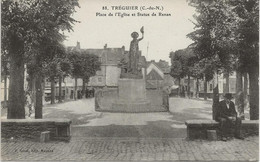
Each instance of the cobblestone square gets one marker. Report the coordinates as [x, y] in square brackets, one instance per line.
[133, 149]
[131, 137]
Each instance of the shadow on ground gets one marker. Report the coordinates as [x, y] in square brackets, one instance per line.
[88, 123]
[174, 127]
[77, 119]
[158, 129]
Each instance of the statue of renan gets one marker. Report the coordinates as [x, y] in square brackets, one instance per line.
[130, 65]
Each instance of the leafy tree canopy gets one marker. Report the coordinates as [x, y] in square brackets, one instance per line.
[215, 38]
[35, 24]
[84, 64]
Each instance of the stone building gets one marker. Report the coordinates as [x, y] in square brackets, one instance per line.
[158, 75]
[210, 86]
[221, 85]
[110, 72]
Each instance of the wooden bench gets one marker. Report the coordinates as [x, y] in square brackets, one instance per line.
[197, 129]
[31, 129]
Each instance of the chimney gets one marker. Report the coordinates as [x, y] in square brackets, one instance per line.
[105, 46]
[78, 45]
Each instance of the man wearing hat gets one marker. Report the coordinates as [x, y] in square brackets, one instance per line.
[228, 117]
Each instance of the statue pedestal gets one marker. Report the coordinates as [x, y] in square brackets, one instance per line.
[131, 96]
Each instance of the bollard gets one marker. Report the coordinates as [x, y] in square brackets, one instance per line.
[45, 136]
[212, 135]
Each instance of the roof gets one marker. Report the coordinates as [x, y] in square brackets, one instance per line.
[162, 65]
[107, 55]
[168, 80]
[150, 85]
[153, 75]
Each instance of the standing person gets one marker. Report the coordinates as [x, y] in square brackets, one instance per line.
[79, 94]
[166, 93]
[228, 118]
[29, 103]
[90, 92]
[87, 93]
[93, 92]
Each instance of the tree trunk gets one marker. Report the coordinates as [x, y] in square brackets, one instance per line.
[33, 89]
[215, 96]
[16, 99]
[43, 90]
[226, 88]
[76, 90]
[254, 93]
[5, 91]
[84, 88]
[38, 104]
[60, 89]
[179, 90]
[188, 86]
[239, 100]
[205, 88]
[52, 90]
[245, 89]
[197, 88]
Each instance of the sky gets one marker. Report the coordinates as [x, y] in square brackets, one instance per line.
[162, 34]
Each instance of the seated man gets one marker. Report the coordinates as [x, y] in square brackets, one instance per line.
[228, 117]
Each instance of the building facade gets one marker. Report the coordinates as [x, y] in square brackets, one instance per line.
[158, 75]
[110, 72]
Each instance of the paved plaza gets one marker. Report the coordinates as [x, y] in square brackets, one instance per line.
[121, 149]
[98, 136]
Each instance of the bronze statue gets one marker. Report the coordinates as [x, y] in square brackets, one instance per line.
[130, 65]
[133, 52]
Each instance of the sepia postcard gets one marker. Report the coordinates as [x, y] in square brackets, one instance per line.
[129, 80]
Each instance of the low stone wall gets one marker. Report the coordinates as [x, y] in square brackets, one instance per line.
[197, 129]
[250, 127]
[30, 129]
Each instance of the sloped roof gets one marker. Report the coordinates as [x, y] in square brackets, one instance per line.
[153, 75]
[97, 52]
[168, 80]
[108, 55]
[150, 85]
[162, 65]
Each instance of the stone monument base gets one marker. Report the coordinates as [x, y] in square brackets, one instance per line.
[107, 101]
[131, 96]
[139, 106]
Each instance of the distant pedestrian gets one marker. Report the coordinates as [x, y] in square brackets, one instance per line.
[79, 94]
[29, 103]
[87, 93]
[93, 92]
[166, 93]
